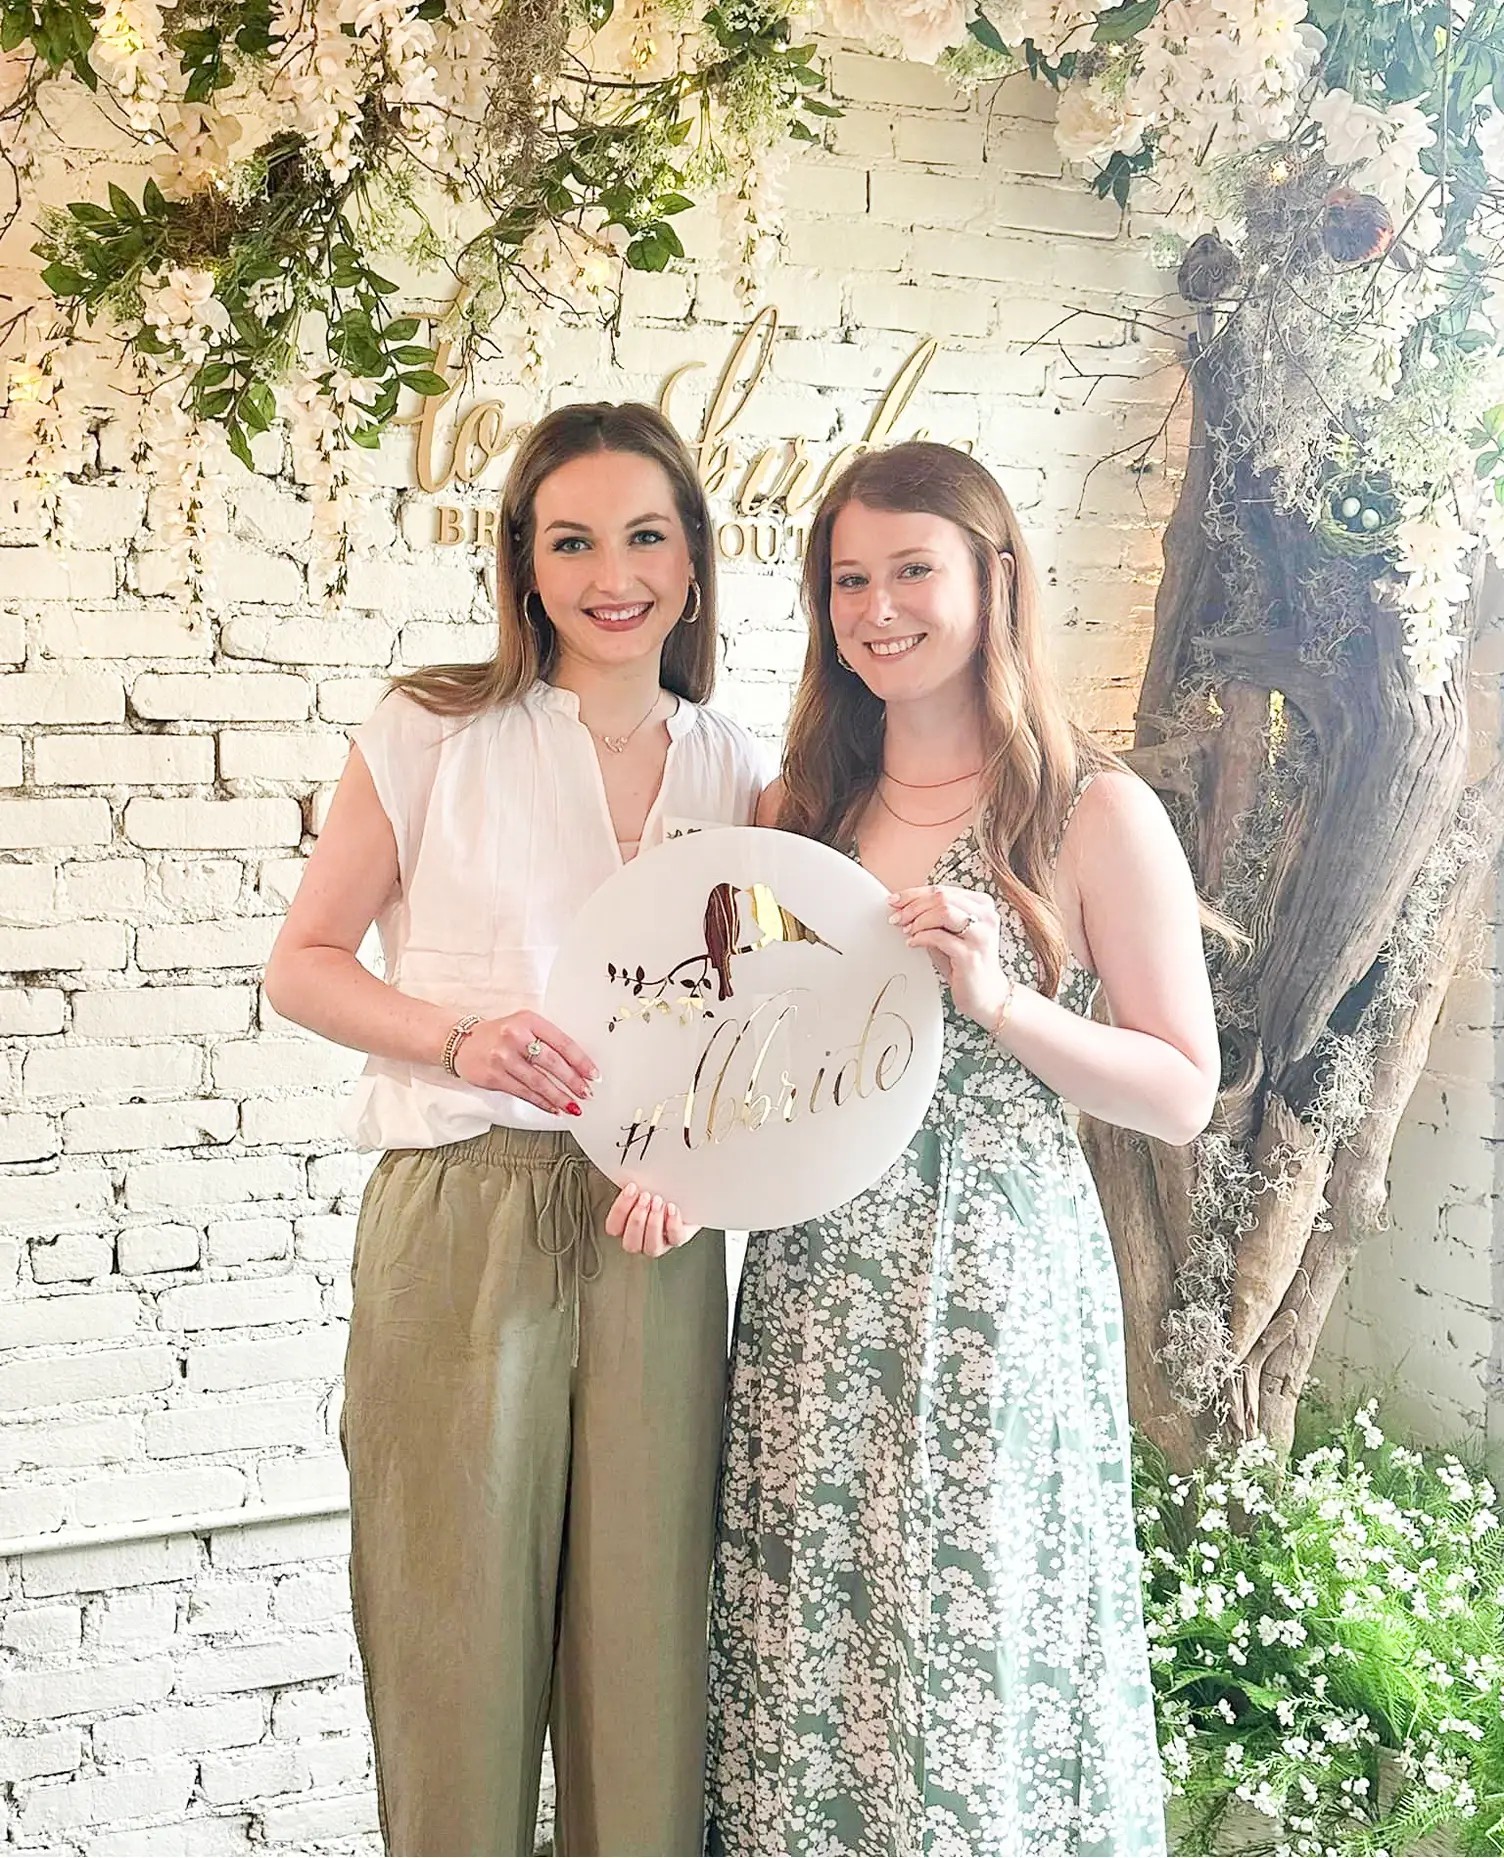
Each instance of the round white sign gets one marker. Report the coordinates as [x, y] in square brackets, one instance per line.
[767, 1041]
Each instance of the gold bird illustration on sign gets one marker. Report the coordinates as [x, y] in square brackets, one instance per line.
[770, 922]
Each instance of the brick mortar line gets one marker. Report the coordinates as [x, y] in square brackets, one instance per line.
[161, 1531]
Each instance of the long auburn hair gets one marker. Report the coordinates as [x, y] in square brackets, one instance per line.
[526, 643]
[1033, 754]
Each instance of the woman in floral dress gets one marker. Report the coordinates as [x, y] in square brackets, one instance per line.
[927, 1629]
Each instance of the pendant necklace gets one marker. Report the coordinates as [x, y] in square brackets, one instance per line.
[617, 743]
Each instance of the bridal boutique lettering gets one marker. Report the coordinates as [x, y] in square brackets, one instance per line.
[732, 1089]
[767, 490]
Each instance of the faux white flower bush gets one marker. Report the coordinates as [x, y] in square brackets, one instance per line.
[1327, 1644]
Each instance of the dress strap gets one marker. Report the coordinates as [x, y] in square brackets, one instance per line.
[1083, 782]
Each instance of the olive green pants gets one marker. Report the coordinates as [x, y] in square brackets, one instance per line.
[532, 1424]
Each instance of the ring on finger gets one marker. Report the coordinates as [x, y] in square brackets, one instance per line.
[533, 1050]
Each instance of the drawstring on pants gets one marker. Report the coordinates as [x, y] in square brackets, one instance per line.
[566, 1229]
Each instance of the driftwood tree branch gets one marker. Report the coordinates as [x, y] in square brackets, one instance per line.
[1238, 1245]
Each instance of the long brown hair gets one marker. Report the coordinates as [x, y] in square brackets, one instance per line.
[526, 642]
[1033, 755]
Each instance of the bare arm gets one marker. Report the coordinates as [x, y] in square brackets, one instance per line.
[769, 805]
[315, 978]
[1157, 1066]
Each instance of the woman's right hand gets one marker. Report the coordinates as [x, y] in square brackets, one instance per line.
[494, 1057]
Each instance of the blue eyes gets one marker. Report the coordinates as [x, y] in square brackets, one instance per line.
[574, 544]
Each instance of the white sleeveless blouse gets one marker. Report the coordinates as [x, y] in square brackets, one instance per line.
[502, 832]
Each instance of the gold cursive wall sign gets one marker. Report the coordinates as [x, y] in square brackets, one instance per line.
[731, 1089]
[767, 490]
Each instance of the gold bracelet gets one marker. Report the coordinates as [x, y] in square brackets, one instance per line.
[1000, 1017]
[458, 1033]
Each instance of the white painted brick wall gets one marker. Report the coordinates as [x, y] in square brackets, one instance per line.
[176, 1209]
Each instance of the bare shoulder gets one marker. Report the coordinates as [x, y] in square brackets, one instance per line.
[771, 803]
[1117, 815]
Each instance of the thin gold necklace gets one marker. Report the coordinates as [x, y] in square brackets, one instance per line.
[925, 825]
[617, 743]
[929, 786]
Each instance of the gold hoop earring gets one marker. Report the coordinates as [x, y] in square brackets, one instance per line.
[540, 618]
[688, 617]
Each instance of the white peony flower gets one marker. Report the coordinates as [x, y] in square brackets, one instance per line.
[922, 29]
[1094, 122]
[847, 19]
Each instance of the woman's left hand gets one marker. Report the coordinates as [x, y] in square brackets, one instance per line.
[960, 930]
[646, 1223]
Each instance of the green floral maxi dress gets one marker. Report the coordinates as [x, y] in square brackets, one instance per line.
[927, 1630]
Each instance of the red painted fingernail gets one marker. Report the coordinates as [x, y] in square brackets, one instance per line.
[573, 1109]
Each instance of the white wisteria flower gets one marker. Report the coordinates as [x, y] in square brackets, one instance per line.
[200, 138]
[1054, 26]
[319, 79]
[1432, 548]
[184, 311]
[186, 508]
[1216, 80]
[131, 55]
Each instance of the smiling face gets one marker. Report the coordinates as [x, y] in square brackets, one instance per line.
[611, 561]
[905, 605]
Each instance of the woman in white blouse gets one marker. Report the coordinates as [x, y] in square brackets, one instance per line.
[532, 1413]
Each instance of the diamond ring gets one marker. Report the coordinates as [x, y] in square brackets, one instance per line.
[532, 1050]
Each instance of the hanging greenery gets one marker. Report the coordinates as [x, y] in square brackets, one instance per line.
[1329, 175]
[303, 148]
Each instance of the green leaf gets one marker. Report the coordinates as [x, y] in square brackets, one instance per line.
[120, 200]
[368, 436]
[15, 30]
[817, 108]
[236, 440]
[410, 355]
[153, 200]
[424, 381]
[648, 252]
[87, 214]
[63, 281]
[674, 203]
[982, 29]
[260, 399]
[1121, 23]
[801, 132]
[402, 329]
